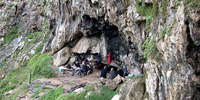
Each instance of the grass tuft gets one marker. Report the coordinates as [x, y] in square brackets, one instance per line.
[103, 94]
[13, 79]
[12, 34]
[41, 65]
[53, 94]
[165, 31]
[146, 10]
[150, 48]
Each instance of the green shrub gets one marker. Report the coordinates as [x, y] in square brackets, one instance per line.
[149, 11]
[145, 10]
[41, 65]
[12, 34]
[150, 48]
[31, 35]
[53, 94]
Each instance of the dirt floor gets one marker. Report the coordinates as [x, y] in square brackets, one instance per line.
[67, 81]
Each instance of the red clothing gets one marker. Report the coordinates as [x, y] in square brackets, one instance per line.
[109, 58]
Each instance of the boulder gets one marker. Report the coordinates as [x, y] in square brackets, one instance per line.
[62, 56]
[88, 94]
[133, 89]
[93, 1]
[79, 90]
[111, 84]
[85, 44]
[119, 79]
[116, 97]
[115, 83]
[148, 1]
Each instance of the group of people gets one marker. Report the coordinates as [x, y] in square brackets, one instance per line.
[84, 65]
[113, 72]
[82, 68]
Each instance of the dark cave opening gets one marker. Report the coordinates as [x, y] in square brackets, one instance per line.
[96, 27]
[193, 58]
[193, 53]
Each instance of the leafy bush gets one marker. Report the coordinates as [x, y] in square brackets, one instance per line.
[41, 65]
[53, 94]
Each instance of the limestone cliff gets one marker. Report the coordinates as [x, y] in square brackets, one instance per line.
[156, 38]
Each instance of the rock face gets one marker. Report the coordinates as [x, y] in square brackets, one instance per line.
[85, 44]
[24, 28]
[158, 38]
[164, 36]
[133, 90]
[62, 57]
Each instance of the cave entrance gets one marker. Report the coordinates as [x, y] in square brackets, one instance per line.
[98, 27]
[193, 58]
[100, 45]
[193, 52]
